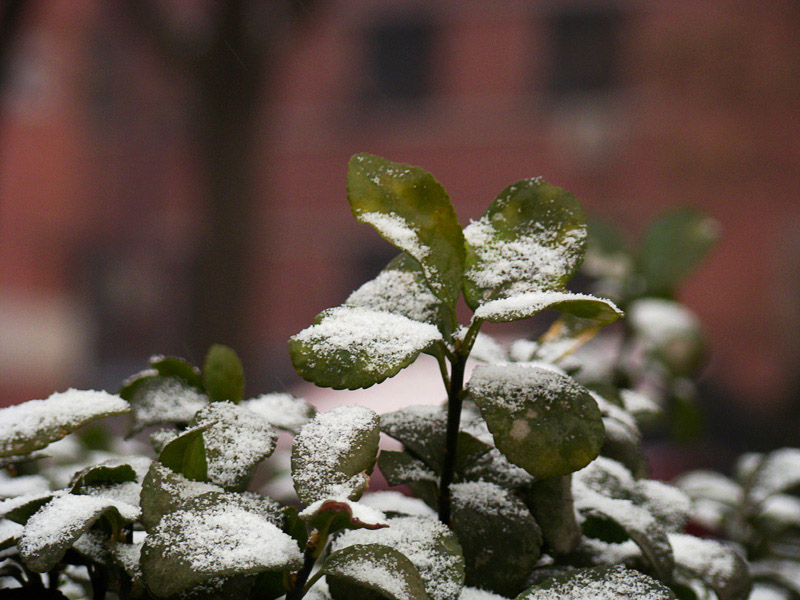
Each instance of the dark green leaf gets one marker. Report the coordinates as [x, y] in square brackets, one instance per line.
[400, 468]
[20, 508]
[334, 454]
[637, 523]
[551, 502]
[295, 526]
[431, 547]
[542, 420]
[214, 538]
[422, 430]
[163, 491]
[412, 211]
[527, 304]
[496, 468]
[531, 238]
[489, 522]
[223, 375]
[236, 440]
[54, 528]
[36, 424]
[672, 248]
[375, 567]
[172, 366]
[599, 582]
[351, 348]
[186, 454]
[103, 473]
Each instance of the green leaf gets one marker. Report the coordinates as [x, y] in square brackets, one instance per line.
[564, 336]
[21, 508]
[412, 211]
[375, 567]
[531, 238]
[494, 467]
[542, 420]
[334, 454]
[294, 525]
[102, 474]
[335, 515]
[528, 304]
[401, 289]
[157, 400]
[205, 540]
[163, 491]
[36, 424]
[673, 246]
[637, 523]
[223, 375]
[489, 521]
[352, 348]
[718, 565]
[55, 527]
[10, 533]
[601, 583]
[186, 454]
[422, 429]
[778, 472]
[400, 468]
[172, 366]
[236, 440]
[551, 502]
[431, 546]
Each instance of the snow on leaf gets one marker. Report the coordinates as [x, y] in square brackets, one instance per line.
[489, 520]
[469, 593]
[667, 503]
[401, 289]
[282, 410]
[164, 400]
[163, 491]
[37, 423]
[638, 524]
[718, 565]
[334, 453]
[194, 544]
[778, 472]
[357, 347]
[429, 545]
[528, 304]
[541, 420]
[11, 487]
[599, 583]
[376, 567]
[236, 441]
[53, 529]
[531, 238]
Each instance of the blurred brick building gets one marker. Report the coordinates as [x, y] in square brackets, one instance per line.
[634, 106]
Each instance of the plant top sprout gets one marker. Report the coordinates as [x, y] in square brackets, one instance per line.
[528, 483]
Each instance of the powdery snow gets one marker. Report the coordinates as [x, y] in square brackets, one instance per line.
[282, 410]
[535, 260]
[53, 418]
[397, 230]
[324, 444]
[223, 538]
[527, 304]
[396, 503]
[400, 292]
[618, 583]
[469, 593]
[416, 537]
[166, 400]
[659, 320]
[381, 339]
[10, 487]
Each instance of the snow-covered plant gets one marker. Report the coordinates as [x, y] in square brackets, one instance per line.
[661, 348]
[525, 484]
[759, 507]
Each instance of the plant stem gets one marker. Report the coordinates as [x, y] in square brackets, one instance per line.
[454, 401]
[314, 547]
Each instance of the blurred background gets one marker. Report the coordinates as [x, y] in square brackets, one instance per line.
[172, 172]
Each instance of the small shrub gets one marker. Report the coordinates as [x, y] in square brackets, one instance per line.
[528, 483]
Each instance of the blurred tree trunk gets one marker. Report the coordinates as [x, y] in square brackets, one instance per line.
[231, 69]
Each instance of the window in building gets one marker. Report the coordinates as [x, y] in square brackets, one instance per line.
[585, 51]
[400, 61]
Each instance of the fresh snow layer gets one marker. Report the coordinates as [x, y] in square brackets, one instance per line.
[61, 412]
[400, 292]
[527, 304]
[282, 410]
[395, 502]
